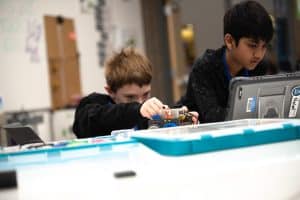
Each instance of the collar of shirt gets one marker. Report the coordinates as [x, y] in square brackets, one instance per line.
[244, 72]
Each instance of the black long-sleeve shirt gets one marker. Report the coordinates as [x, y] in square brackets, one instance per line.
[98, 115]
[207, 89]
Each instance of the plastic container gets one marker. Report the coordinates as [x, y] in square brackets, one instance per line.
[61, 151]
[187, 140]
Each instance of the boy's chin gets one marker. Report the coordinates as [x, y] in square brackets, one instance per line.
[251, 67]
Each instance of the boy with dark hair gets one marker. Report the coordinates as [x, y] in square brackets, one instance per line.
[128, 104]
[248, 29]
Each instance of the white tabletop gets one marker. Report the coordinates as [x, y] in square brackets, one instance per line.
[261, 172]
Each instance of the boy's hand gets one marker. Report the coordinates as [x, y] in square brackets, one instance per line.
[194, 114]
[151, 107]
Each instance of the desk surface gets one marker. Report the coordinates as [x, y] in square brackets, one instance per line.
[260, 172]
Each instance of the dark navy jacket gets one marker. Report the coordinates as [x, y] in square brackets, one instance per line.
[207, 90]
[98, 115]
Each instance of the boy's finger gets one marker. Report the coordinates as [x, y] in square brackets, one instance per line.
[156, 106]
[185, 108]
[194, 113]
[158, 103]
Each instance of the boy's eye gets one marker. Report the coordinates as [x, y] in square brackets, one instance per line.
[146, 95]
[252, 45]
[130, 98]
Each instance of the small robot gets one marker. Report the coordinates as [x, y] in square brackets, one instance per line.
[170, 118]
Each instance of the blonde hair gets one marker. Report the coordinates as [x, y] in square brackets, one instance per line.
[127, 67]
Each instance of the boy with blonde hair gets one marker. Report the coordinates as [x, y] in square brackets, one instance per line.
[127, 105]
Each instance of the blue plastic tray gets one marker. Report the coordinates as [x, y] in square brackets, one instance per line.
[203, 138]
[62, 151]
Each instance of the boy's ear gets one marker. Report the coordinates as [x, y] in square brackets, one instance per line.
[108, 90]
[111, 93]
[229, 41]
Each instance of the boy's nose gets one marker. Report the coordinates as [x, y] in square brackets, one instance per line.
[140, 100]
[259, 53]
